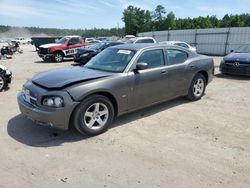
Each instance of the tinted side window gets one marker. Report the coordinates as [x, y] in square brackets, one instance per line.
[74, 41]
[176, 56]
[113, 44]
[154, 58]
[145, 41]
[182, 45]
[139, 41]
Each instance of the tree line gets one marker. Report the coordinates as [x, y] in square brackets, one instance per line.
[10, 31]
[139, 20]
[136, 20]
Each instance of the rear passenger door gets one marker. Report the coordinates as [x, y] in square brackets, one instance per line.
[177, 71]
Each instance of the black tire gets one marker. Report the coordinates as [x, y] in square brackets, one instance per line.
[193, 94]
[46, 59]
[58, 57]
[79, 116]
[3, 83]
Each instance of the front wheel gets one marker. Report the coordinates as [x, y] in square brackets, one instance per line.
[58, 57]
[3, 83]
[94, 115]
[46, 59]
[197, 87]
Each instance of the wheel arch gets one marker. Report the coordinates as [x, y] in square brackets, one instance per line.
[110, 96]
[59, 51]
[205, 74]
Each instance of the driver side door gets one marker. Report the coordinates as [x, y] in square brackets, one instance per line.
[148, 86]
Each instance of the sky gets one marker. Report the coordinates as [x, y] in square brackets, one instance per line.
[78, 14]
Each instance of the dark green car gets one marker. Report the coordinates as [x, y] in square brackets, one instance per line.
[119, 80]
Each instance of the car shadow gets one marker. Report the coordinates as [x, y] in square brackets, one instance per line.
[76, 64]
[27, 132]
[6, 89]
[232, 77]
[149, 111]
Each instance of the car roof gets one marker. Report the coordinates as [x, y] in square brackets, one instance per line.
[144, 37]
[137, 38]
[114, 42]
[141, 46]
[173, 41]
[136, 47]
[71, 36]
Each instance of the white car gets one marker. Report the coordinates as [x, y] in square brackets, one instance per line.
[141, 40]
[5, 77]
[180, 43]
[21, 40]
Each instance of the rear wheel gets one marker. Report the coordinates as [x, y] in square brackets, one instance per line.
[58, 57]
[94, 115]
[197, 87]
[3, 83]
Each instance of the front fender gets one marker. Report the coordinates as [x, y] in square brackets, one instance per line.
[116, 87]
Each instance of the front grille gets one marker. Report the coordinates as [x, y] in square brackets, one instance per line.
[237, 63]
[43, 51]
[29, 97]
[237, 70]
[236, 67]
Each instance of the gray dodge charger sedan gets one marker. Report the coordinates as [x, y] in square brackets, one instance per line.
[119, 80]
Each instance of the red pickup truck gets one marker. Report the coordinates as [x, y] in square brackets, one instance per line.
[66, 47]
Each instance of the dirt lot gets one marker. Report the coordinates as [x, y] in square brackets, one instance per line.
[175, 144]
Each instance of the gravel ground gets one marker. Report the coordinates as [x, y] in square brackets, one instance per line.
[174, 144]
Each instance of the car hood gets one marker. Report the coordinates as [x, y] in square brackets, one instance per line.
[242, 57]
[61, 78]
[49, 45]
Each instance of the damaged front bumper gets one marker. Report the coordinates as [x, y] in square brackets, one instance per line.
[46, 57]
[31, 106]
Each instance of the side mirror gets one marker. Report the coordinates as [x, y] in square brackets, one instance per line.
[231, 51]
[141, 66]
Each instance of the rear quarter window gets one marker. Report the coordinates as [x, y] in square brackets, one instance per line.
[145, 41]
[182, 45]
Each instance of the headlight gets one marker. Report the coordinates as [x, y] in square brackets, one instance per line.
[84, 55]
[53, 101]
[8, 72]
[222, 61]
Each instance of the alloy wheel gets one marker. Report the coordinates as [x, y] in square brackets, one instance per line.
[198, 88]
[58, 57]
[96, 116]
